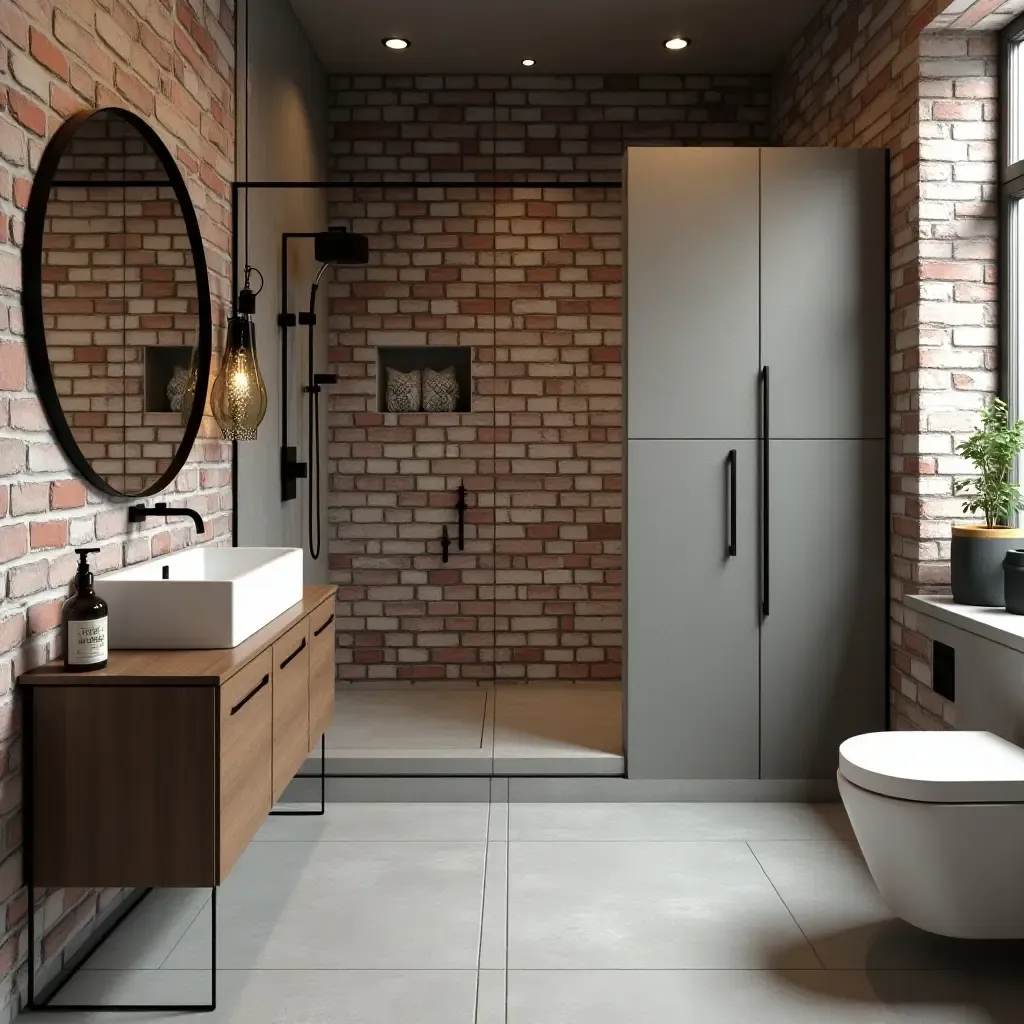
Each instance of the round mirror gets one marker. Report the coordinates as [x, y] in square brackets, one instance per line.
[117, 302]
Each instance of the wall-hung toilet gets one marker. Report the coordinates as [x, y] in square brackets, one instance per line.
[939, 817]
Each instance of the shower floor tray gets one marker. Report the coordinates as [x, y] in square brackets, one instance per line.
[505, 730]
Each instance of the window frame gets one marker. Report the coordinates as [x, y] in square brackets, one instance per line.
[1011, 215]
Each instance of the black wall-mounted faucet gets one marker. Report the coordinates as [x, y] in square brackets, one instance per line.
[139, 514]
[461, 506]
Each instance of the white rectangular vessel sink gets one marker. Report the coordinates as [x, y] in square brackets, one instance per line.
[211, 598]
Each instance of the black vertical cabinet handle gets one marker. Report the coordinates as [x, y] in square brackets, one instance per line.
[766, 533]
[733, 542]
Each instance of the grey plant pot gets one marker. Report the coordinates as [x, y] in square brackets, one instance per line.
[976, 563]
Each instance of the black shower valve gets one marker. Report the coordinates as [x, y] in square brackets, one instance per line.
[291, 471]
[319, 379]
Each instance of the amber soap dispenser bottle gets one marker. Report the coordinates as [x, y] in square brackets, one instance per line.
[84, 621]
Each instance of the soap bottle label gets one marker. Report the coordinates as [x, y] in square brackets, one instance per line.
[87, 642]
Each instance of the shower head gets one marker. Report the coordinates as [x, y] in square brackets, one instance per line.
[339, 246]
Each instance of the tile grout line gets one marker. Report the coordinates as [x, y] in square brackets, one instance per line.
[483, 905]
[185, 932]
[508, 893]
[810, 945]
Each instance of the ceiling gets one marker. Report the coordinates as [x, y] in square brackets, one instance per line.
[493, 36]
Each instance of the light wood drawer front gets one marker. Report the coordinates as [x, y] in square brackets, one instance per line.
[321, 671]
[246, 723]
[291, 704]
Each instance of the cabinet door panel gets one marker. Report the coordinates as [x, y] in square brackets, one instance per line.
[246, 731]
[823, 656]
[321, 671]
[291, 705]
[691, 289]
[824, 291]
[692, 612]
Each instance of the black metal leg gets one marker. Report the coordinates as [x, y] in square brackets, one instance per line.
[45, 1001]
[323, 787]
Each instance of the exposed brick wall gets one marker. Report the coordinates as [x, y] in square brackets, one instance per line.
[879, 74]
[555, 125]
[173, 64]
[531, 278]
[978, 15]
[949, 369]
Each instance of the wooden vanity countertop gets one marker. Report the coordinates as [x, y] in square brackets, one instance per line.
[176, 668]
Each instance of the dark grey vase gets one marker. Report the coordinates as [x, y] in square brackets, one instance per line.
[976, 563]
[1013, 578]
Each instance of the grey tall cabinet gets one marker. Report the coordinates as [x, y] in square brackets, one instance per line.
[755, 291]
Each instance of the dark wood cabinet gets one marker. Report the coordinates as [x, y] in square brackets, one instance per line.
[158, 770]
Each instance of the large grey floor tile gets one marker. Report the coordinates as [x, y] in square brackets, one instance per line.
[827, 887]
[677, 822]
[379, 822]
[646, 905]
[146, 937]
[346, 906]
[284, 997]
[493, 935]
[754, 997]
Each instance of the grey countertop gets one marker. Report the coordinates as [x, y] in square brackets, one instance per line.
[995, 624]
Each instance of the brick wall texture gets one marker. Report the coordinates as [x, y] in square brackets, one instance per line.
[170, 61]
[531, 279]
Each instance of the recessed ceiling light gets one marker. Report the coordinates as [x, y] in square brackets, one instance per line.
[676, 43]
[395, 43]
[529, 62]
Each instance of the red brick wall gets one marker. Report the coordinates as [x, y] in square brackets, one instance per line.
[879, 74]
[171, 62]
[531, 278]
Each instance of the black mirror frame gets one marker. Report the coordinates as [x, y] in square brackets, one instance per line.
[32, 299]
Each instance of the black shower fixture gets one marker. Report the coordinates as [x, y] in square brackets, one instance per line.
[334, 247]
[341, 247]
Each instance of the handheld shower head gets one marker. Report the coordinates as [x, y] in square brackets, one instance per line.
[339, 246]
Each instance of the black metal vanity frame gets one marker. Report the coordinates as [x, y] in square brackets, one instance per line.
[44, 1000]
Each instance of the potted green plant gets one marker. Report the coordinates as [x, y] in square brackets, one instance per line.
[979, 549]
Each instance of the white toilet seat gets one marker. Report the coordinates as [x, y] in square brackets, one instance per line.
[935, 767]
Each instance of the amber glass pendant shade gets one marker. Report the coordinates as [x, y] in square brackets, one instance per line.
[239, 399]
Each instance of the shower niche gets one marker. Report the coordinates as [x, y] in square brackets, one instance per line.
[454, 364]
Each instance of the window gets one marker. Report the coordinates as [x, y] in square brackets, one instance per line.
[1012, 215]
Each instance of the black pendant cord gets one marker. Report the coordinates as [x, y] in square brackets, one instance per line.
[246, 142]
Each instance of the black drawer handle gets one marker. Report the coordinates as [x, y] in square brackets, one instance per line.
[733, 548]
[298, 650]
[249, 696]
[317, 632]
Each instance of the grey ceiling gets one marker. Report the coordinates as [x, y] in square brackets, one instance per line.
[561, 35]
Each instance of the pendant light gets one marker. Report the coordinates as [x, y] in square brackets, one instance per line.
[239, 399]
[239, 396]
